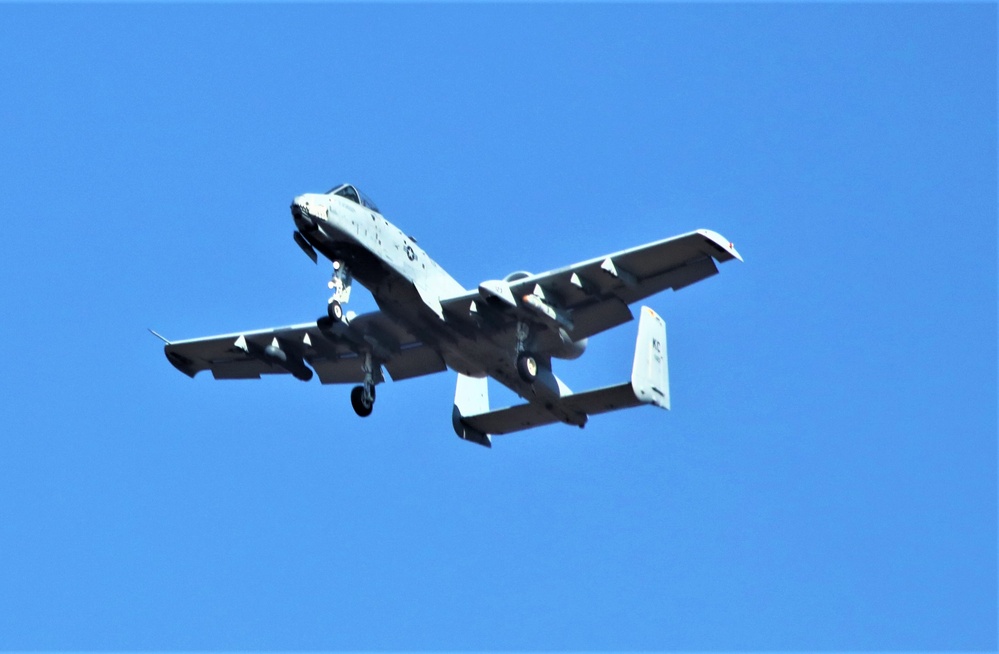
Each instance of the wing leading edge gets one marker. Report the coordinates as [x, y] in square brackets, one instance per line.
[592, 296]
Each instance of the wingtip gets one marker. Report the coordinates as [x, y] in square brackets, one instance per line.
[721, 243]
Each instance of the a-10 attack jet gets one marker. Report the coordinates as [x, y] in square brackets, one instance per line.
[509, 329]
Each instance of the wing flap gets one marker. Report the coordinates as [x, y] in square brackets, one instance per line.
[599, 316]
[346, 369]
[246, 369]
[414, 361]
[682, 276]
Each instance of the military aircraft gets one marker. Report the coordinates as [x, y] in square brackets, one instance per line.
[509, 329]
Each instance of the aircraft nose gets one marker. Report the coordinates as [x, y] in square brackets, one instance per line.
[301, 202]
[305, 211]
[298, 211]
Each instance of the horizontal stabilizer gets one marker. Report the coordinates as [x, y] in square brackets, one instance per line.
[510, 419]
[649, 384]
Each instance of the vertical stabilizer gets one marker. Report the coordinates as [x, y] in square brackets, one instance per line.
[471, 397]
[650, 373]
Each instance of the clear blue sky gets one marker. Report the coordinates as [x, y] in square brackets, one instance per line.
[825, 480]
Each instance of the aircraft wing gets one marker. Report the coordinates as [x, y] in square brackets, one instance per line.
[336, 353]
[592, 296]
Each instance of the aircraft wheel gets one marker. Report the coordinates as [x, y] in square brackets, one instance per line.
[335, 311]
[527, 367]
[361, 407]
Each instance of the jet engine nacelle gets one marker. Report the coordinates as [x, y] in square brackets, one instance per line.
[514, 276]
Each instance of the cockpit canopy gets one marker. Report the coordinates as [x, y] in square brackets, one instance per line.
[350, 192]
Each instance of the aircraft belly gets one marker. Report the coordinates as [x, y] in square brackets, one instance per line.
[480, 356]
[400, 299]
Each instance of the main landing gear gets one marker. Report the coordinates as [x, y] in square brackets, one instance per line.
[362, 400]
[527, 367]
[362, 397]
[527, 364]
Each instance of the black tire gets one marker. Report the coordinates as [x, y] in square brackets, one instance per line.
[361, 408]
[335, 311]
[527, 367]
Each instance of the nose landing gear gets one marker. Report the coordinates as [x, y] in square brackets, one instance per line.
[340, 285]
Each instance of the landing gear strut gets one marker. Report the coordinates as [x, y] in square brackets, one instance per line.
[362, 398]
[527, 365]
